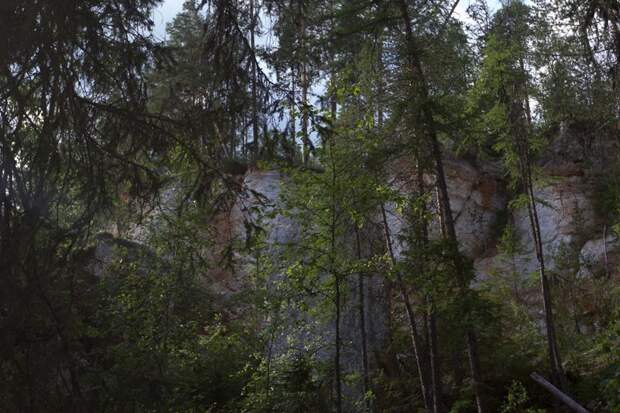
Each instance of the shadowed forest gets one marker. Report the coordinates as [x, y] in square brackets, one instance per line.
[310, 206]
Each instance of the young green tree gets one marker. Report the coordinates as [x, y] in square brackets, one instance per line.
[506, 84]
[421, 90]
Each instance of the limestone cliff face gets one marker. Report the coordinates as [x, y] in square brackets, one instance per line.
[252, 211]
[480, 205]
[258, 205]
[567, 219]
[566, 205]
[479, 201]
[476, 199]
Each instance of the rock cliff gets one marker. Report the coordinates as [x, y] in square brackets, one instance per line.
[481, 205]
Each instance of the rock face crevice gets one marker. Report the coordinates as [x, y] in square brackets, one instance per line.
[482, 209]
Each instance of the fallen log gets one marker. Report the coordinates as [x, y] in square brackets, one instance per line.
[573, 405]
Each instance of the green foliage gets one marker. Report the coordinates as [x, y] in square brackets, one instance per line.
[76, 136]
[164, 350]
[462, 405]
[517, 400]
[289, 383]
[608, 348]
[608, 197]
[102, 129]
[162, 340]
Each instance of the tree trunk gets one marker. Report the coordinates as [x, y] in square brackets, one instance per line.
[292, 109]
[554, 354]
[416, 341]
[337, 355]
[573, 405]
[616, 29]
[438, 405]
[362, 317]
[520, 128]
[244, 143]
[254, 79]
[336, 280]
[304, 86]
[444, 199]
[422, 236]
[380, 87]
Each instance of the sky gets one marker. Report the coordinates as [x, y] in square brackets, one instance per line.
[169, 8]
[461, 9]
[164, 14]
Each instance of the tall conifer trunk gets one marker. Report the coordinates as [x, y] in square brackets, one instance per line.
[304, 84]
[616, 29]
[433, 345]
[519, 126]
[416, 339]
[362, 320]
[293, 110]
[336, 275]
[448, 227]
[253, 15]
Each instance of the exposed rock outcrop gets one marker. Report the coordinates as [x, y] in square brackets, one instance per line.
[567, 217]
[599, 256]
[480, 205]
[567, 213]
[258, 208]
[476, 199]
